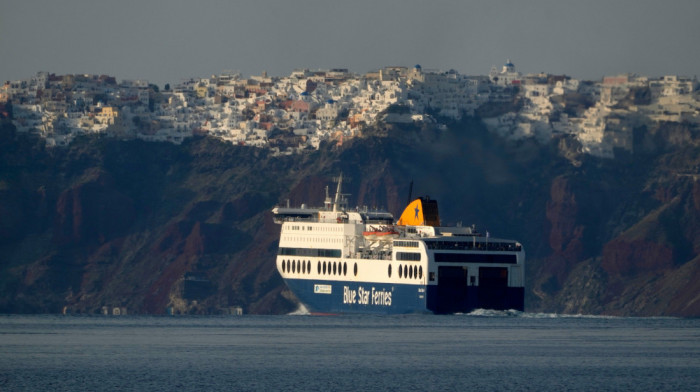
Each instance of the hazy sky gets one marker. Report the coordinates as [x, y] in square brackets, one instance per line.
[165, 41]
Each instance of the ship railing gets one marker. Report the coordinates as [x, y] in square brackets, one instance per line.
[369, 255]
[294, 219]
[496, 246]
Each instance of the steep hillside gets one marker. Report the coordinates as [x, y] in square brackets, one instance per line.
[151, 226]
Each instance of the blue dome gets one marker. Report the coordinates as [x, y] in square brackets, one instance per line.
[417, 66]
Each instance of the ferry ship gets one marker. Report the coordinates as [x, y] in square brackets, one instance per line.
[339, 260]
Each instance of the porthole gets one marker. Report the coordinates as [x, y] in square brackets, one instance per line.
[420, 272]
[318, 267]
[324, 267]
[303, 266]
[400, 271]
[345, 269]
[355, 269]
[284, 266]
[294, 267]
[334, 270]
[410, 272]
[389, 272]
[415, 271]
[308, 265]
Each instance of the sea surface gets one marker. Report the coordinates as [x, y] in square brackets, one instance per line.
[481, 351]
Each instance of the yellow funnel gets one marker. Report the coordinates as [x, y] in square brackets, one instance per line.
[420, 212]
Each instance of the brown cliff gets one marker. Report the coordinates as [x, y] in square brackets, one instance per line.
[111, 223]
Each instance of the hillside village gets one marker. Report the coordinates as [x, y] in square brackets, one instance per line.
[297, 112]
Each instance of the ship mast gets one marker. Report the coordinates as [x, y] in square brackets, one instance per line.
[338, 195]
[327, 202]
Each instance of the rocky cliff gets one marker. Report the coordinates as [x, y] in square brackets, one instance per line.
[154, 227]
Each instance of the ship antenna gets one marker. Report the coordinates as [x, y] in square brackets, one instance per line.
[338, 196]
[327, 202]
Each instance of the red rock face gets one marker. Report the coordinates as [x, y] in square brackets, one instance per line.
[93, 211]
[180, 245]
[561, 213]
[566, 234]
[625, 258]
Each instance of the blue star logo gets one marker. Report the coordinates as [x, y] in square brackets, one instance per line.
[417, 211]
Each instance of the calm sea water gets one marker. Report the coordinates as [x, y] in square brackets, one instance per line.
[485, 351]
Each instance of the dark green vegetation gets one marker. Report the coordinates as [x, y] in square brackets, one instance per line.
[146, 226]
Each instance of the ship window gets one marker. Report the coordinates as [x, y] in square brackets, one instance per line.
[308, 265]
[407, 244]
[303, 266]
[355, 269]
[306, 252]
[294, 267]
[318, 267]
[475, 258]
[400, 271]
[410, 272]
[473, 244]
[334, 270]
[284, 269]
[389, 272]
[420, 272]
[345, 268]
[415, 271]
[324, 267]
[408, 256]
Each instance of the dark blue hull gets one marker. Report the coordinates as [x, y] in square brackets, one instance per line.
[385, 298]
[358, 297]
[443, 300]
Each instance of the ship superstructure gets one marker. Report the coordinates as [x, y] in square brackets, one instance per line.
[338, 260]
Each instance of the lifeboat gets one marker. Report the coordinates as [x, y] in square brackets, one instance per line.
[380, 233]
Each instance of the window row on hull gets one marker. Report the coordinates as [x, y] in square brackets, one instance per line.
[322, 268]
[306, 252]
